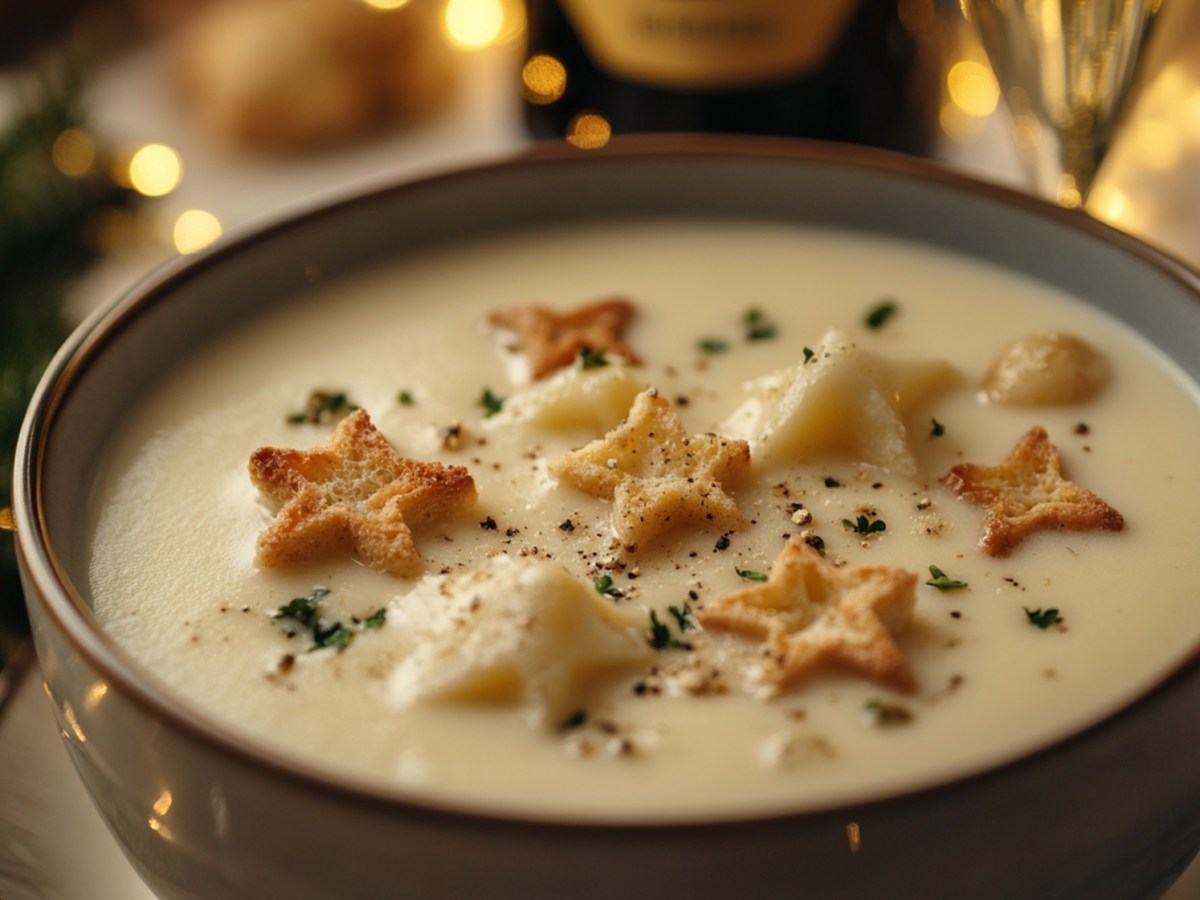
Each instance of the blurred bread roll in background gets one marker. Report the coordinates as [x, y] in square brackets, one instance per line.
[295, 75]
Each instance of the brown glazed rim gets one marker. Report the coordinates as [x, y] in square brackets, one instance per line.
[64, 604]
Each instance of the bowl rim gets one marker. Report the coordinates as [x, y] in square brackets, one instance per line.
[51, 588]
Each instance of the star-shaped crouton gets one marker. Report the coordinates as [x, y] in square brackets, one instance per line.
[656, 474]
[1027, 493]
[354, 494]
[813, 615]
[552, 339]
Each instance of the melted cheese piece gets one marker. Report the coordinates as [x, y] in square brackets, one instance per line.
[174, 578]
[520, 632]
[842, 400]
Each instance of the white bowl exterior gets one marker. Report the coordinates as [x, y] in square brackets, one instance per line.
[1111, 813]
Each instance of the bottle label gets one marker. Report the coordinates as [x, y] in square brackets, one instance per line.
[708, 43]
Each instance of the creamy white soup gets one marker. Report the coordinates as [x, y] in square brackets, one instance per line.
[422, 685]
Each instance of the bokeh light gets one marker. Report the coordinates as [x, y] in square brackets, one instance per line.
[155, 170]
[589, 131]
[474, 23]
[543, 79]
[73, 153]
[194, 230]
[972, 88]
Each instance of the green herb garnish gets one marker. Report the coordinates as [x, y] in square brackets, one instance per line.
[942, 581]
[712, 345]
[322, 406]
[592, 359]
[809, 354]
[880, 313]
[406, 398]
[682, 617]
[661, 637]
[606, 588]
[831, 482]
[303, 609]
[335, 635]
[887, 714]
[758, 326]
[490, 402]
[750, 574]
[863, 525]
[1043, 618]
[936, 429]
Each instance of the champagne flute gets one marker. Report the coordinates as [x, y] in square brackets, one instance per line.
[1068, 69]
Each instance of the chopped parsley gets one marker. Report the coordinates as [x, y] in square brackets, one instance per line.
[682, 617]
[809, 354]
[490, 402]
[661, 637]
[606, 588]
[879, 314]
[757, 326]
[936, 428]
[406, 398]
[750, 574]
[887, 714]
[1043, 618]
[305, 612]
[712, 345]
[303, 609]
[322, 406]
[831, 482]
[592, 359]
[863, 525]
[334, 635]
[942, 581]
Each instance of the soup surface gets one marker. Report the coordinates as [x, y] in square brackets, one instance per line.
[621, 703]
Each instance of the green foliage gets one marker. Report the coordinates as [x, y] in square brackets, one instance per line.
[47, 225]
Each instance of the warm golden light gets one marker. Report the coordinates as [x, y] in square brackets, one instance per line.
[1160, 146]
[73, 723]
[973, 88]
[1068, 194]
[155, 170]
[163, 804]
[589, 131]
[474, 23]
[386, 4]
[194, 230]
[73, 152]
[854, 836]
[1108, 204]
[96, 693]
[543, 79]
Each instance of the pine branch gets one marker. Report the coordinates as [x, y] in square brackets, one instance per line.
[47, 220]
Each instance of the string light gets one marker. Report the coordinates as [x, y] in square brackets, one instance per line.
[589, 131]
[155, 170]
[73, 153]
[543, 79]
[194, 230]
[474, 23]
